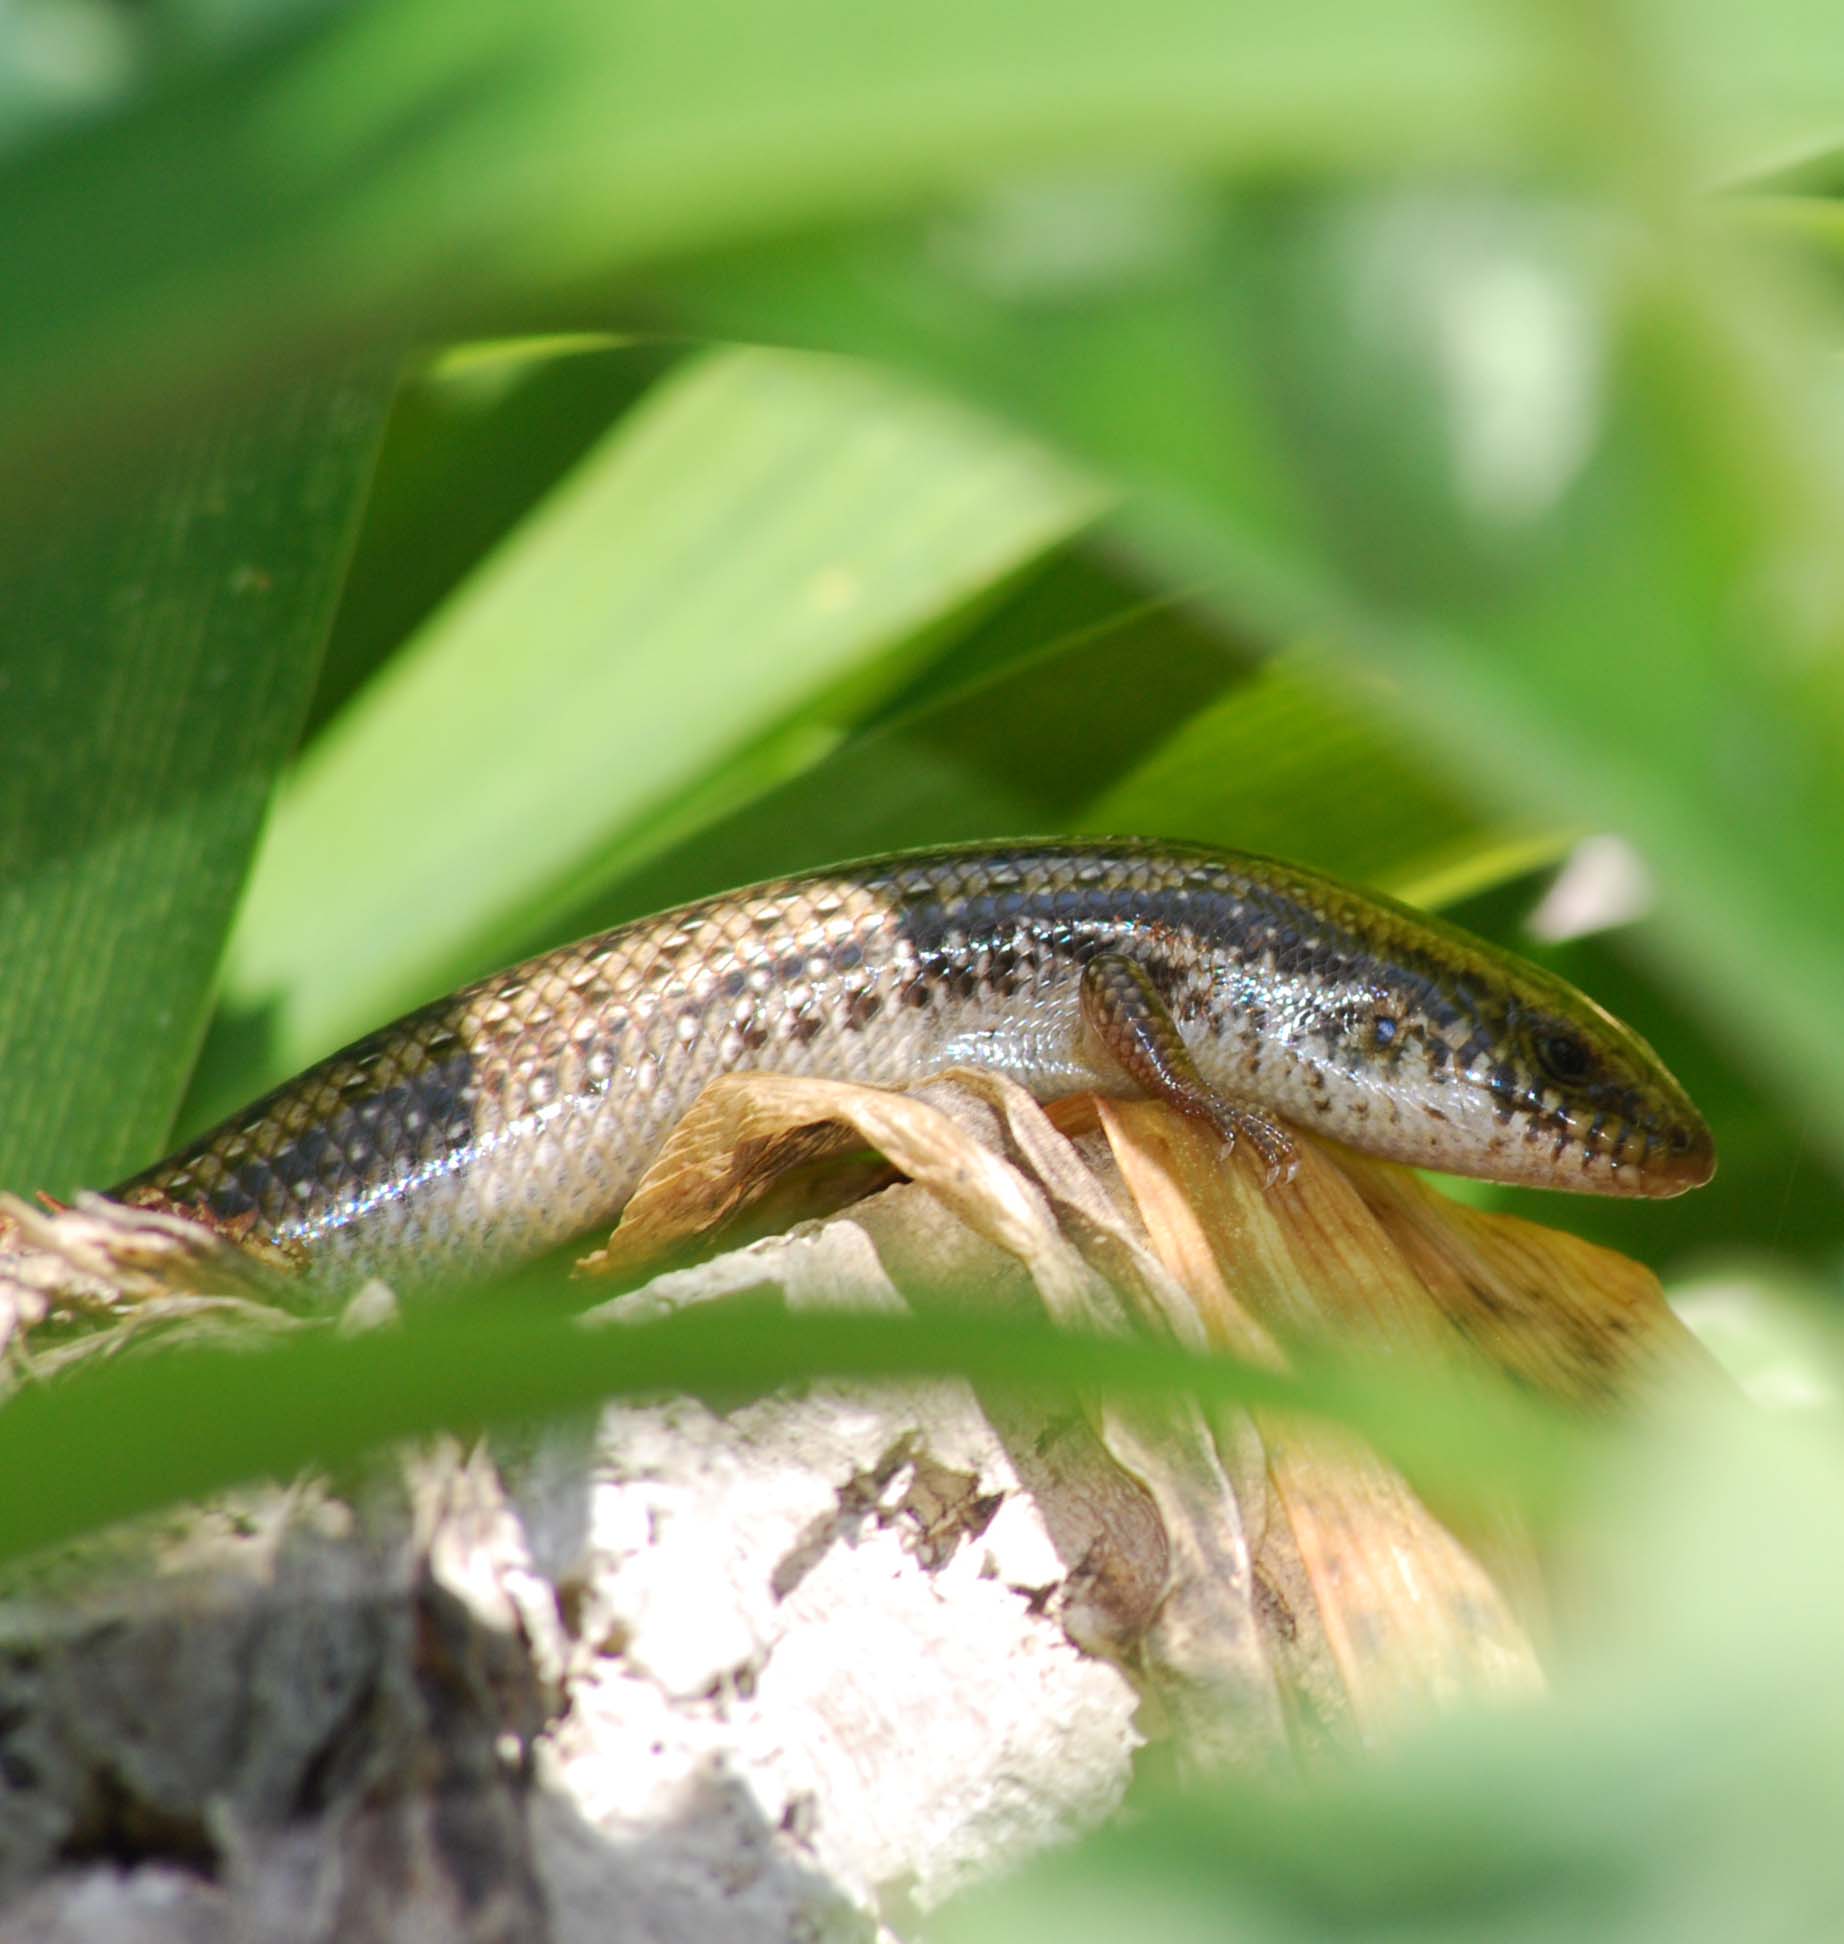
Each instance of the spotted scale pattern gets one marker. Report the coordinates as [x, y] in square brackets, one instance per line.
[521, 1111]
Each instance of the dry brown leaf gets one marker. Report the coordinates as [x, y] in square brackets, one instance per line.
[1408, 1614]
[1356, 1252]
[1574, 1321]
[744, 1129]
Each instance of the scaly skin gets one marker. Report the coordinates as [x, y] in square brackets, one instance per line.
[521, 1111]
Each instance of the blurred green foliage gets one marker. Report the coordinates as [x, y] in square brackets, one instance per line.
[1404, 438]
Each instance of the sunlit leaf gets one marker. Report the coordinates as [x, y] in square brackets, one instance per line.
[475, 439]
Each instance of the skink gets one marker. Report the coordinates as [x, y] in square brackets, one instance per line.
[498, 1123]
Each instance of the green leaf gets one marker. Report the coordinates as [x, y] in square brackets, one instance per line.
[760, 528]
[406, 161]
[1304, 761]
[517, 1356]
[159, 657]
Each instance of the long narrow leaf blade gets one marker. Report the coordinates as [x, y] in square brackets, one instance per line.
[467, 1367]
[157, 660]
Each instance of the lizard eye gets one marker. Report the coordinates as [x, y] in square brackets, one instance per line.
[1564, 1059]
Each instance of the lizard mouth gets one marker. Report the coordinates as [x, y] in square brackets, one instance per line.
[1685, 1158]
[1655, 1164]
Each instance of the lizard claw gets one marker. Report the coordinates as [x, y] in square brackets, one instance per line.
[1282, 1157]
[1274, 1147]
